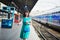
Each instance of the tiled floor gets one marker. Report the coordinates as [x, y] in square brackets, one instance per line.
[14, 33]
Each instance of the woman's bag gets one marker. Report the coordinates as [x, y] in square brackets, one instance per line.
[27, 29]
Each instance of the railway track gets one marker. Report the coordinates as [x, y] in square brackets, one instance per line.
[47, 35]
[43, 33]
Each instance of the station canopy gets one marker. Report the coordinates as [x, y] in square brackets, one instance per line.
[19, 4]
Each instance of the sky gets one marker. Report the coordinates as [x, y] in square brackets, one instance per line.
[45, 6]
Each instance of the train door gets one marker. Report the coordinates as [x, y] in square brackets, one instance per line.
[16, 18]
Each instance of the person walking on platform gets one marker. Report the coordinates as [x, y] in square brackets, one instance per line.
[25, 31]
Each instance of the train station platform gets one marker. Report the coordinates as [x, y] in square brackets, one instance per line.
[14, 33]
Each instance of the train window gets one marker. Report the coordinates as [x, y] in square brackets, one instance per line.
[12, 8]
[5, 8]
[5, 15]
[58, 21]
[56, 17]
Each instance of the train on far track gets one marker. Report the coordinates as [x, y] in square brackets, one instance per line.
[52, 19]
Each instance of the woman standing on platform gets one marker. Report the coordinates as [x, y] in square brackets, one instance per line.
[25, 31]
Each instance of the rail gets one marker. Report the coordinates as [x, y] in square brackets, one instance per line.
[44, 33]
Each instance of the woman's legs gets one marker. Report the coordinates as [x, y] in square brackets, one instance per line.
[24, 39]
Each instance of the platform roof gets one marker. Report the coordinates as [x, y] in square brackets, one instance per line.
[20, 3]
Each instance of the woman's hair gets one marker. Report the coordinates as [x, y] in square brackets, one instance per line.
[24, 15]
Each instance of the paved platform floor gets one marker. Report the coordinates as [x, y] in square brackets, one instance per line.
[14, 33]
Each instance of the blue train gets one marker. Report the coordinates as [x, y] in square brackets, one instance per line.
[52, 19]
[8, 13]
